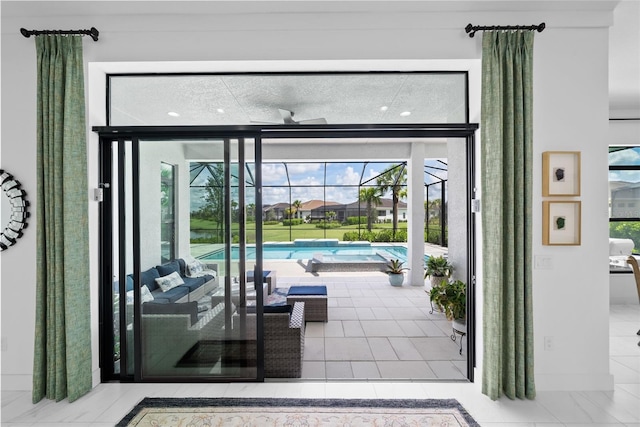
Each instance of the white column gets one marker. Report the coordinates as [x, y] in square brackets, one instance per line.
[415, 210]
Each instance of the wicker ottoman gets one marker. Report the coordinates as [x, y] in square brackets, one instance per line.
[315, 301]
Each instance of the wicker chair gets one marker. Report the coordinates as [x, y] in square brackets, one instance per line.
[166, 338]
[283, 341]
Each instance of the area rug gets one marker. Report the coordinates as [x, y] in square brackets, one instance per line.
[200, 412]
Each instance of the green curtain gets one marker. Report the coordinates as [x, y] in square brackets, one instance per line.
[506, 131]
[62, 356]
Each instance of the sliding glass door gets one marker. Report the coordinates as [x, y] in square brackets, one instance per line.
[181, 303]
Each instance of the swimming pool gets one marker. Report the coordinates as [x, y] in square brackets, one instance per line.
[329, 248]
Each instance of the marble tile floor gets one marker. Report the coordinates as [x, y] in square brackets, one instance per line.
[108, 403]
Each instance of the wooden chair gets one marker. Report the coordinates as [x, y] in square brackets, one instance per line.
[633, 262]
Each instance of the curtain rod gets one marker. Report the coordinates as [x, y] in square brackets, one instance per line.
[92, 32]
[471, 29]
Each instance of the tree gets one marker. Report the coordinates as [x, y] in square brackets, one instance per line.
[288, 212]
[297, 204]
[433, 209]
[371, 196]
[251, 211]
[214, 198]
[394, 179]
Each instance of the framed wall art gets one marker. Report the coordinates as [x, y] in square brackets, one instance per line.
[561, 173]
[561, 223]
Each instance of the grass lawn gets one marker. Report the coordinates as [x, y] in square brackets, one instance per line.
[281, 233]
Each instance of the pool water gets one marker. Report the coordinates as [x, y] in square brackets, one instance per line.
[295, 251]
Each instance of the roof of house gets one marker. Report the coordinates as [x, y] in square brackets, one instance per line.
[280, 206]
[384, 203]
[314, 204]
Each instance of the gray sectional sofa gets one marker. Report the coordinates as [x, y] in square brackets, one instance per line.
[193, 288]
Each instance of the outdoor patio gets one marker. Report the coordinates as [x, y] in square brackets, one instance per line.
[376, 331]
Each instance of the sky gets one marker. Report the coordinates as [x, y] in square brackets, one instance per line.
[307, 180]
[627, 157]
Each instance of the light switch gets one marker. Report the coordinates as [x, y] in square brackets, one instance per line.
[542, 262]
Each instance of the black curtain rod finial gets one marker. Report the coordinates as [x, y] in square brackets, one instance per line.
[93, 32]
[472, 29]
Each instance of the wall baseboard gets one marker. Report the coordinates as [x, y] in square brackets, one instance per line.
[24, 382]
[574, 382]
[12, 382]
[96, 378]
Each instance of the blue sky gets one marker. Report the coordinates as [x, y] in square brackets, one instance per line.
[627, 157]
[307, 180]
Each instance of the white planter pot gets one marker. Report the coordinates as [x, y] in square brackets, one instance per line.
[436, 280]
[460, 325]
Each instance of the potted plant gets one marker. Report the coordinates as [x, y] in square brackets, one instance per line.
[438, 269]
[451, 298]
[395, 270]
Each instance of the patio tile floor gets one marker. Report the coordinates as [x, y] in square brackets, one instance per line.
[376, 331]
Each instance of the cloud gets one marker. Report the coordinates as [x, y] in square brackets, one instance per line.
[349, 177]
[624, 157]
[342, 195]
[308, 180]
[273, 173]
[626, 176]
[304, 168]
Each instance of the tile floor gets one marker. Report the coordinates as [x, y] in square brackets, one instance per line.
[108, 403]
[376, 331]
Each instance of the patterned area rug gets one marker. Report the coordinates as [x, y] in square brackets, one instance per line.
[200, 412]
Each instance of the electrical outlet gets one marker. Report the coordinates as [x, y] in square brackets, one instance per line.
[549, 344]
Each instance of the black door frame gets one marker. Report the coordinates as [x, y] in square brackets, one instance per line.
[108, 134]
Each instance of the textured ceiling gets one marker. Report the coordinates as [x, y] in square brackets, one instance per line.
[243, 99]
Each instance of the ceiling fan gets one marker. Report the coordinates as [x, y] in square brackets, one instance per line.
[287, 118]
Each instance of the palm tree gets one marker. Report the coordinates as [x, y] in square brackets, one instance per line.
[251, 210]
[297, 204]
[371, 196]
[394, 178]
[288, 212]
[433, 209]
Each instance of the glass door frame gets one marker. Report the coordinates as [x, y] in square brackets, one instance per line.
[112, 145]
[108, 134]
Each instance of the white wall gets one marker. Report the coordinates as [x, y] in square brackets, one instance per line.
[570, 110]
[571, 113]
[152, 154]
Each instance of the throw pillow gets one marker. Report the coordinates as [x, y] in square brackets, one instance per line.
[168, 268]
[145, 295]
[195, 268]
[170, 281]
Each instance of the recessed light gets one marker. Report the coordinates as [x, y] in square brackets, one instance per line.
[173, 114]
[384, 108]
[220, 110]
[405, 113]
